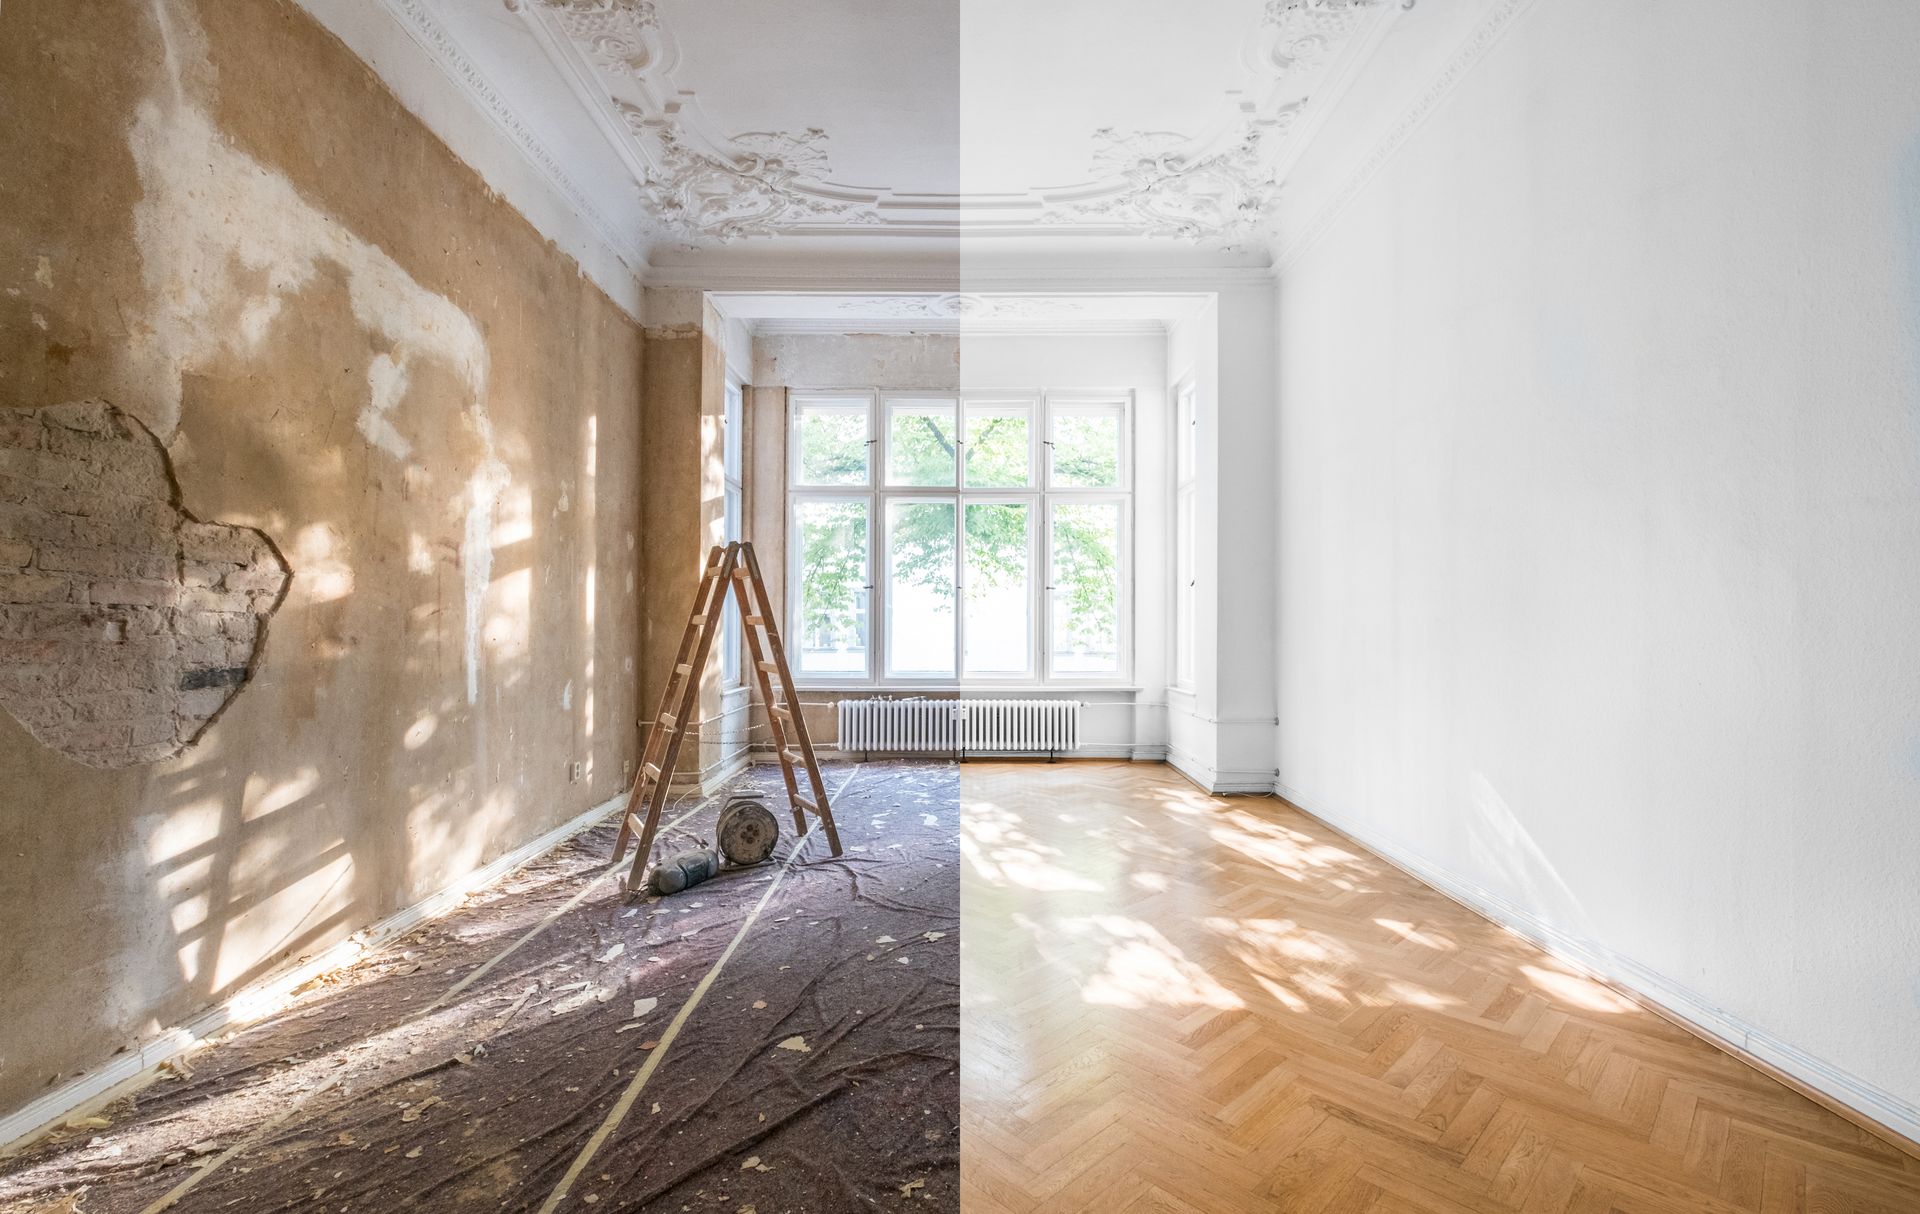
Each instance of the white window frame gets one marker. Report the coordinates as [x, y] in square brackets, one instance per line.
[793, 634]
[1185, 605]
[1039, 494]
[733, 508]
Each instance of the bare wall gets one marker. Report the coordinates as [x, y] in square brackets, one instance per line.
[1599, 465]
[214, 216]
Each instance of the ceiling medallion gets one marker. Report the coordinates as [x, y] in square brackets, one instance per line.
[1305, 33]
[1170, 189]
[749, 189]
[701, 185]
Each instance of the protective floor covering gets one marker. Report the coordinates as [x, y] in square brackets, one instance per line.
[818, 1073]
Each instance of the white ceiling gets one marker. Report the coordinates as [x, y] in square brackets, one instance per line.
[693, 126]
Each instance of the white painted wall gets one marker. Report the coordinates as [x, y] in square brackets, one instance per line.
[1599, 513]
[1221, 735]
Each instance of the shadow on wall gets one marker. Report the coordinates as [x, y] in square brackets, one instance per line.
[403, 721]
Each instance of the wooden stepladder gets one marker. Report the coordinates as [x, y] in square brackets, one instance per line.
[731, 568]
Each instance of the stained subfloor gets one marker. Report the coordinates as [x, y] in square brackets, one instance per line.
[529, 1053]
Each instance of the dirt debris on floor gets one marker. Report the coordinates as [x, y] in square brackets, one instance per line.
[819, 1072]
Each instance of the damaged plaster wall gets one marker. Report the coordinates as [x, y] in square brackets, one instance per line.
[217, 219]
[683, 502]
[125, 625]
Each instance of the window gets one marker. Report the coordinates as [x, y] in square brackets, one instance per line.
[732, 669]
[1184, 580]
[939, 537]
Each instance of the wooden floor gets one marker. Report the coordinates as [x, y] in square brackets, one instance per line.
[1174, 1002]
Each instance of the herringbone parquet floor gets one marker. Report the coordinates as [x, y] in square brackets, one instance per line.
[1174, 1002]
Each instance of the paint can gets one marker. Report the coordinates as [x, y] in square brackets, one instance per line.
[747, 830]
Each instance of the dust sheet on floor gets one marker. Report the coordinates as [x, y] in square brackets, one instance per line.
[817, 1072]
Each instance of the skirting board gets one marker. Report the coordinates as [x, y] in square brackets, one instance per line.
[1865, 1104]
[269, 994]
[1221, 783]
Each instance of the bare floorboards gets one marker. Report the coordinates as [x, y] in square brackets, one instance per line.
[1174, 1002]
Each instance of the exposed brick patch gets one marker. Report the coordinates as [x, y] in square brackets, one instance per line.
[125, 623]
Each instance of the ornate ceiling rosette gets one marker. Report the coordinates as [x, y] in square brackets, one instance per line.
[701, 185]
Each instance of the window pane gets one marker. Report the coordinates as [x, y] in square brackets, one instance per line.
[1086, 588]
[920, 578]
[831, 544]
[833, 442]
[999, 632]
[999, 445]
[920, 442]
[1086, 449]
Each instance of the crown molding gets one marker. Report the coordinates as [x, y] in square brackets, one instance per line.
[702, 185]
[417, 19]
[851, 276]
[958, 328]
[1472, 51]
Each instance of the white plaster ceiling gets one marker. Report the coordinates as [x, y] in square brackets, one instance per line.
[775, 123]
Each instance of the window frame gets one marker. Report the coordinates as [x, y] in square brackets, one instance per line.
[1039, 495]
[792, 637]
[1184, 633]
[733, 523]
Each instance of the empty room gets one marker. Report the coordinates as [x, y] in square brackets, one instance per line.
[1126, 606]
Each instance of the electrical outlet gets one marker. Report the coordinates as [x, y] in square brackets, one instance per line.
[626, 769]
[574, 771]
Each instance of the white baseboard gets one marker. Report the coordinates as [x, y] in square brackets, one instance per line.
[1842, 1091]
[269, 994]
[1221, 782]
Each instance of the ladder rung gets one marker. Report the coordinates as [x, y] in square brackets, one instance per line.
[651, 771]
[670, 721]
[769, 667]
[803, 803]
[781, 710]
[793, 757]
[682, 670]
[741, 575]
[755, 621]
[635, 825]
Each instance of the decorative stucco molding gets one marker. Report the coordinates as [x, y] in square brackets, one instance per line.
[418, 20]
[1478, 44]
[701, 185]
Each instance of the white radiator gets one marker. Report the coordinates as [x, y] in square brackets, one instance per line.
[959, 725]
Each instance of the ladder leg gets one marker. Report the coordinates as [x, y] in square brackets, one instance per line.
[780, 670]
[663, 721]
[702, 627]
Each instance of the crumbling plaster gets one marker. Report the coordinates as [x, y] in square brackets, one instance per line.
[217, 218]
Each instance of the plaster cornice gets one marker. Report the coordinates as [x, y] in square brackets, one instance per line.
[703, 185]
[417, 18]
[1477, 45]
[1040, 277]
